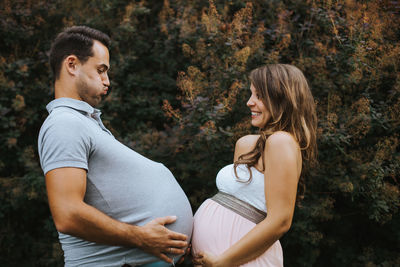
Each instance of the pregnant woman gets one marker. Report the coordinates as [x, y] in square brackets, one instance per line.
[241, 225]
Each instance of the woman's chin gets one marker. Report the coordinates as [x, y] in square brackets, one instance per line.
[255, 124]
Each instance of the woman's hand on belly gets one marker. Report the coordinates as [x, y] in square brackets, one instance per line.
[204, 259]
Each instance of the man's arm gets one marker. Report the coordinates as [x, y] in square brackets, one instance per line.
[66, 190]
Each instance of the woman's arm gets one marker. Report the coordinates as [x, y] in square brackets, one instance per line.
[282, 170]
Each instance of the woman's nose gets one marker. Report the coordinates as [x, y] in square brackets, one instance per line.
[250, 102]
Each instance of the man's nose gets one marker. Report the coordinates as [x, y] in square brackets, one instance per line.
[106, 81]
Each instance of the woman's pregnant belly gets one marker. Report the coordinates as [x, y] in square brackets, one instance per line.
[217, 228]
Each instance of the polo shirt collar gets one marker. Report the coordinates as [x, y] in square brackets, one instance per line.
[71, 103]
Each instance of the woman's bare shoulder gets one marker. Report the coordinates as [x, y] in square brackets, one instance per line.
[247, 141]
[282, 146]
[282, 149]
[280, 138]
[245, 144]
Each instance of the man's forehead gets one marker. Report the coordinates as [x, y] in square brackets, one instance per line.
[101, 56]
[100, 50]
[99, 62]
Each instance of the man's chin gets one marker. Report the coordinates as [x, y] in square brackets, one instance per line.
[103, 97]
[94, 102]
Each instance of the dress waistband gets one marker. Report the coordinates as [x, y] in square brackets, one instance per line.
[240, 207]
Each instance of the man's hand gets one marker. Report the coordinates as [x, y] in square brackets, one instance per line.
[187, 254]
[159, 241]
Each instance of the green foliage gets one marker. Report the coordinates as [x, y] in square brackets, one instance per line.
[179, 78]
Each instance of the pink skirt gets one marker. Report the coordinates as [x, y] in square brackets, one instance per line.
[217, 228]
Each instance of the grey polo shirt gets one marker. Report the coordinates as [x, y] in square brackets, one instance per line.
[120, 182]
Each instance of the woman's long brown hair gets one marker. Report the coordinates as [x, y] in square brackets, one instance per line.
[285, 93]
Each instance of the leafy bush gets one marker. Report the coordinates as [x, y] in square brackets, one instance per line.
[179, 78]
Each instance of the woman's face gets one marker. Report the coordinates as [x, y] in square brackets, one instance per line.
[259, 113]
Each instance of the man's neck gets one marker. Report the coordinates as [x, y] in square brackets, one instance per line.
[61, 89]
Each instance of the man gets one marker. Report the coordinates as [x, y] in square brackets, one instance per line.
[110, 204]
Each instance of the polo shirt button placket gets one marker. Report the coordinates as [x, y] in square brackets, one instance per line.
[96, 117]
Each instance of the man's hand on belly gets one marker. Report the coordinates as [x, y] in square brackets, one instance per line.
[158, 240]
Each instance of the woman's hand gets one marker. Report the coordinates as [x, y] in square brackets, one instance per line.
[203, 259]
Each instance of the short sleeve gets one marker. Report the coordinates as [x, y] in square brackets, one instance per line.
[64, 141]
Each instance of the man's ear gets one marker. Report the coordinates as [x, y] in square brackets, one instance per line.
[71, 64]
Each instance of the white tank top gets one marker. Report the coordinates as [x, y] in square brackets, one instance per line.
[252, 193]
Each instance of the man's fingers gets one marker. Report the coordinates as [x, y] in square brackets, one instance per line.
[187, 254]
[166, 220]
[177, 244]
[181, 260]
[177, 236]
[165, 258]
[175, 251]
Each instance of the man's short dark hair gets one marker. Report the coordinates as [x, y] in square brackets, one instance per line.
[76, 40]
